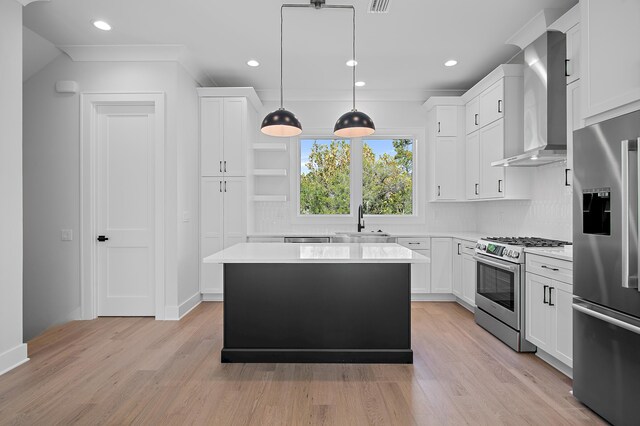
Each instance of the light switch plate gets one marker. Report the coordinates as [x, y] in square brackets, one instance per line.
[66, 235]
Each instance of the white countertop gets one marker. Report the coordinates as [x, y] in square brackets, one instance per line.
[467, 236]
[316, 253]
[562, 253]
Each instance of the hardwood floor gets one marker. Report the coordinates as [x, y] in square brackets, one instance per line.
[141, 371]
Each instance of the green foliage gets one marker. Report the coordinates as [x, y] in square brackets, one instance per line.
[387, 180]
[325, 189]
[387, 185]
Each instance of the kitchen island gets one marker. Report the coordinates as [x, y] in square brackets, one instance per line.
[323, 303]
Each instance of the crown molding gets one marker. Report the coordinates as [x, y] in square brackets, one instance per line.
[139, 53]
[534, 28]
[362, 95]
[26, 2]
[567, 21]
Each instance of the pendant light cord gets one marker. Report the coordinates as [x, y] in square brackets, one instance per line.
[353, 9]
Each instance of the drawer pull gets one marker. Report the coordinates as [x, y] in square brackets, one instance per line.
[549, 267]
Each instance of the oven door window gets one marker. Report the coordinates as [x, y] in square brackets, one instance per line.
[497, 285]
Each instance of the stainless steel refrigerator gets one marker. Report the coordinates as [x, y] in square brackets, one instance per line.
[606, 308]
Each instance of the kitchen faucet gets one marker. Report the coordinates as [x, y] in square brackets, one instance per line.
[360, 219]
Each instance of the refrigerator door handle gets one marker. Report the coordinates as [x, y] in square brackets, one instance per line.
[627, 281]
[606, 318]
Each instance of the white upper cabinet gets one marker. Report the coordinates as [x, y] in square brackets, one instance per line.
[211, 136]
[446, 120]
[492, 149]
[572, 62]
[223, 136]
[492, 103]
[446, 148]
[472, 115]
[610, 65]
[472, 181]
[574, 122]
[446, 172]
[234, 128]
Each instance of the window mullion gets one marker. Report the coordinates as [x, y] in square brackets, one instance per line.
[356, 174]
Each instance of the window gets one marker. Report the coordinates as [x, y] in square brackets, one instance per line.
[387, 176]
[336, 175]
[325, 177]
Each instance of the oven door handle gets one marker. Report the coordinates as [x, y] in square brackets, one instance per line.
[512, 268]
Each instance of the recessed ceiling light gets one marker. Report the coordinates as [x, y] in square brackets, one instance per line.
[101, 25]
[253, 63]
[352, 63]
[450, 63]
[360, 83]
[535, 157]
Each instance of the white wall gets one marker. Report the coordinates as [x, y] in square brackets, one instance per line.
[188, 192]
[12, 349]
[52, 174]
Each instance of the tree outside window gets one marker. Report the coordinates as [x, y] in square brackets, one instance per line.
[386, 177]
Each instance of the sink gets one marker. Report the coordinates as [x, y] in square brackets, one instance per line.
[362, 237]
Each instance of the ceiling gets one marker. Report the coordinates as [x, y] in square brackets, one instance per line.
[402, 50]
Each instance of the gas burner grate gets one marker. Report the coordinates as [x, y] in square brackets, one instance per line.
[528, 241]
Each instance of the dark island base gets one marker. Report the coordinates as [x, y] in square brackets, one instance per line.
[317, 313]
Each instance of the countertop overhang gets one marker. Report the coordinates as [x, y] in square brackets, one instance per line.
[316, 253]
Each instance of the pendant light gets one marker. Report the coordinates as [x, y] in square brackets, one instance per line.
[281, 123]
[354, 124]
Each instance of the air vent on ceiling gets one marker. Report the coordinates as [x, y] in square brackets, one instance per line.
[379, 6]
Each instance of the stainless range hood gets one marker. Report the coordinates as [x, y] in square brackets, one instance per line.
[545, 103]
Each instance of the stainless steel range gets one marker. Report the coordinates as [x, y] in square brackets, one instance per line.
[500, 287]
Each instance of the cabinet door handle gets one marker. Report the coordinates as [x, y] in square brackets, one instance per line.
[500, 185]
[221, 167]
[225, 186]
[566, 67]
[475, 119]
[225, 165]
[550, 302]
[220, 186]
[476, 189]
[499, 105]
[544, 297]
[439, 127]
[550, 268]
[438, 190]
[459, 249]
[566, 177]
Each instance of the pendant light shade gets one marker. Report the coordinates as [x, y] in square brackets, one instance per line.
[354, 124]
[281, 123]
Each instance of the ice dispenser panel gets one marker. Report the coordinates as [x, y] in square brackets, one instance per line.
[596, 212]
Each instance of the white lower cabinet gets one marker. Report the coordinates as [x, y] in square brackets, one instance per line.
[464, 271]
[469, 279]
[223, 207]
[441, 265]
[420, 272]
[548, 315]
[421, 275]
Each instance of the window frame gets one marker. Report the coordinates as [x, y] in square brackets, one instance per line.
[356, 181]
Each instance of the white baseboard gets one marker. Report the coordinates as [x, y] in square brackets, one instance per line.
[13, 358]
[175, 313]
[558, 365]
[433, 297]
[212, 297]
[465, 305]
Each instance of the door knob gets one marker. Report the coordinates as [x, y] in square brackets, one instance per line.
[102, 238]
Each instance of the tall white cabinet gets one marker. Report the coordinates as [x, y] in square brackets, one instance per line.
[227, 127]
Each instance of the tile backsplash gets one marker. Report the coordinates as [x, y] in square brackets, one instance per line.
[547, 214]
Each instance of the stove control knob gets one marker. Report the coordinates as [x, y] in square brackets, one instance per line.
[516, 255]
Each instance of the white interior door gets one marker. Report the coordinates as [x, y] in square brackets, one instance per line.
[125, 213]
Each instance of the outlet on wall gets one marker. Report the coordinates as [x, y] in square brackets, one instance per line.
[186, 216]
[66, 234]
